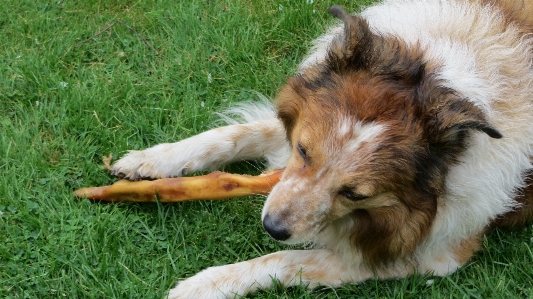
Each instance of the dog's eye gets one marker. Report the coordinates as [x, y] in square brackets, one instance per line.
[349, 194]
[302, 151]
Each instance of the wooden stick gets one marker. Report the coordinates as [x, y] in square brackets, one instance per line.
[216, 185]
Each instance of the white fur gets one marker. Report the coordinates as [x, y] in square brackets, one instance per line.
[364, 133]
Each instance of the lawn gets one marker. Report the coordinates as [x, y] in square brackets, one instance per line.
[82, 79]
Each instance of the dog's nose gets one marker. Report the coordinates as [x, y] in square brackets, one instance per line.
[275, 229]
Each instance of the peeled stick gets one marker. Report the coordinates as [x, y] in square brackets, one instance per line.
[216, 185]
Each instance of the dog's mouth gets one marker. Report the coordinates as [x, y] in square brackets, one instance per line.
[311, 239]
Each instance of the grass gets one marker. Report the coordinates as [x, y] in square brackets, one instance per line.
[68, 97]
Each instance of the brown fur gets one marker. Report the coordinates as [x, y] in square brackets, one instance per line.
[467, 248]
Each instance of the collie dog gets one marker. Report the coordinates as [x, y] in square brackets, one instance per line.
[406, 133]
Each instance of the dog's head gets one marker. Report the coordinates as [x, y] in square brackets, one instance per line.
[373, 133]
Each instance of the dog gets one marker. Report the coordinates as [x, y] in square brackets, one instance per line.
[406, 134]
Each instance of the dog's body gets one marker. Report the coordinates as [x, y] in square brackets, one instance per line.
[406, 134]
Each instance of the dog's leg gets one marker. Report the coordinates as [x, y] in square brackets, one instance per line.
[207, 151]
[294, 267]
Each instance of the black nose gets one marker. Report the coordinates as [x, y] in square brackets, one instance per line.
[275, 229]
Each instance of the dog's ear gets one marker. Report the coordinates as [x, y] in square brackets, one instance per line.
[448, 121]
[353, 49]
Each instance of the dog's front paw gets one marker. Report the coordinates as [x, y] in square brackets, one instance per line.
[163, 161]
[136, 165]
[229, 281]
[160, 161]
[188, 291]
[195, 288]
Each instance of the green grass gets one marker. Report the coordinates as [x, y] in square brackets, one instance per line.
[68, 97]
